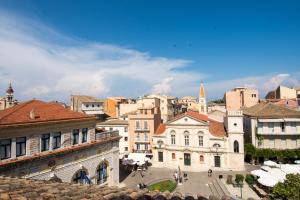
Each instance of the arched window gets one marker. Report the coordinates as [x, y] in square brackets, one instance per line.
[173, 156]
[102, 173]
[216, 145]
[201, 158]
[80, 177]
[173, 137]
[236, 146]
[186, 140]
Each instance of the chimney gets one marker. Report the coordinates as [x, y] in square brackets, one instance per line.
[32, 114]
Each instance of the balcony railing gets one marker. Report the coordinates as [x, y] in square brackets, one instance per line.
[142, 130]
[106, 134]
[142, 151]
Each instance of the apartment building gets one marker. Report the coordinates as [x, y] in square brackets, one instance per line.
[9, 100]
[271, 126]
[241, 97]
[46, 141]
[142, 125]
[194, 142]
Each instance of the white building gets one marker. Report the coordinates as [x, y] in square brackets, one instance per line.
[271, 126]
[194, 142]
[123, 128]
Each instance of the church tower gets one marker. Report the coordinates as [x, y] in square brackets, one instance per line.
[202, 100]
[10, 97]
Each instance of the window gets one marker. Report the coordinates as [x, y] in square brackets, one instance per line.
[236, 146]
[253, 95]
[146, 147]
[45, 141]
[173, 139]
[173, 156]
[20, 146]
[87, 105]
[160, 157]
[111, 128]
[84, 135]
[200, 140]
[137, 125]
[201, 158]
[75, 136]
[56, 142]
[126, 129]
[271, 127]
[146, 137]
[102, 173]
[216, 145]
[138, 146]
[125, 139]
[186, 140]
[282, 125]
[145, 125]
[125, 148]
[93, 105]
[293, 126]
[5, 149]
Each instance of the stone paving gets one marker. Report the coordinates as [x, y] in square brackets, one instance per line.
[197, 182]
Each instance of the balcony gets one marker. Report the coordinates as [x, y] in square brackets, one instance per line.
[106, 134]
[141, 130]
[142, 151]
[278, 133]
[142, 140]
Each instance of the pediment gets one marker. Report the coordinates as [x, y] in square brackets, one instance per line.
[187, 120]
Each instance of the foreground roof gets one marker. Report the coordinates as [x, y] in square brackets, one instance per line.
[270, 110]
[36, 111]
[20, 188]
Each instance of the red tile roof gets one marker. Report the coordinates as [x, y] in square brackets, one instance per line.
[216, 128]
[161, 129]
[42, 112]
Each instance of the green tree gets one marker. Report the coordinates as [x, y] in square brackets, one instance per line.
[288, 190]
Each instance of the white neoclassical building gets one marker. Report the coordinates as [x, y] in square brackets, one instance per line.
[194, 142]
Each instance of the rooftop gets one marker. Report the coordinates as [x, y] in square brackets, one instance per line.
[36, 111]
[270, 110]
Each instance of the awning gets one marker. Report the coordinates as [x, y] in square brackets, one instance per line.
[270, 163]
[268, 181]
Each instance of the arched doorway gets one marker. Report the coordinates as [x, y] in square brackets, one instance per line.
[80, 176]
[102, 172]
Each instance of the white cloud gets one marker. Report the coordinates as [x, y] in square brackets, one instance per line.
[43, 63]
[164, 87]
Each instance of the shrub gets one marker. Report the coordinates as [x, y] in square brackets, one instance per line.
[250, 179]
[239, 178]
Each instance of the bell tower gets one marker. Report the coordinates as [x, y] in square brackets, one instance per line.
[9, 97]
[202, 100]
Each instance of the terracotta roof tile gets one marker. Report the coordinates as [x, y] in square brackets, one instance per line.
[270, 110]
[43, 112]
[160, 129]
[216, 128]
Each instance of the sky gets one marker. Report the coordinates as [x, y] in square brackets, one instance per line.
[51, 49]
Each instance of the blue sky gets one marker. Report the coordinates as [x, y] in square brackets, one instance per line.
[131, 48]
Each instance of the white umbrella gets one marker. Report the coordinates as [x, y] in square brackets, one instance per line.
[268, 181]
[270, 163]
[259, 173]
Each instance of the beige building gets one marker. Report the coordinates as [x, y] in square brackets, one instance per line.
[9, 100]
[272, 127]
[241, 97]
[142, 125]
[194, 142]
[46, 141]
[167, 106]
[282, 92]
